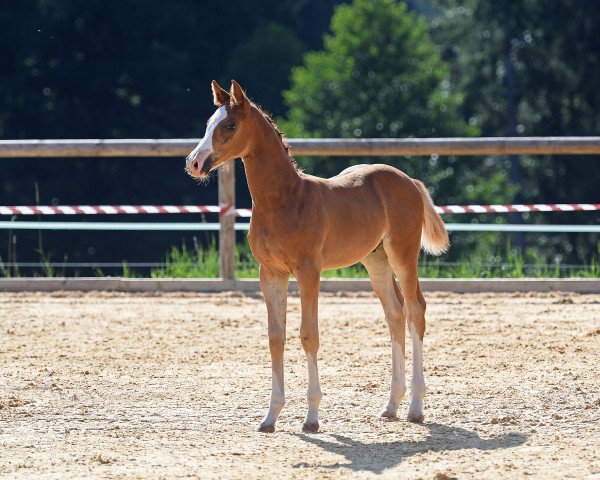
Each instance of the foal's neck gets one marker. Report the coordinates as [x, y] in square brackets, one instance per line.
[271, 173]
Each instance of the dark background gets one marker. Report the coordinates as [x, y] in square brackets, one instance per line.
[130, 69]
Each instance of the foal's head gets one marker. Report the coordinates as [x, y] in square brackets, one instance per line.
[227, 135]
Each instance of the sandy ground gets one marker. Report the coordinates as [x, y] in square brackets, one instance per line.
[173, 386]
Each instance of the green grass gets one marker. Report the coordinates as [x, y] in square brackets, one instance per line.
[6, 271]
[204, 263]
[47, 268]
[511, 269]
[183, 262]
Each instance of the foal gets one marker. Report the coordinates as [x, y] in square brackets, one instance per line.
[302, 225]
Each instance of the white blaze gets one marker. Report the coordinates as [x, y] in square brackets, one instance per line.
[205, 147]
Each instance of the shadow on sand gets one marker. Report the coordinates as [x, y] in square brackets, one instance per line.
[377, 457]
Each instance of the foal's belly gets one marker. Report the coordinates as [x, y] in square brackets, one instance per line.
[356, 223]
[350, 245]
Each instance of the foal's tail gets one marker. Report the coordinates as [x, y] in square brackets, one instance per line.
[434, 238]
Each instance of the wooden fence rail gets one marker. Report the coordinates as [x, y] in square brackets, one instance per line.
[180, 147]
[313, 147]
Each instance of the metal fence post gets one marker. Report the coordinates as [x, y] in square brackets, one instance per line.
[227, 221]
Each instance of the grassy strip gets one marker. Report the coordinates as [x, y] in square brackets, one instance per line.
[185, 263]
[182, 262]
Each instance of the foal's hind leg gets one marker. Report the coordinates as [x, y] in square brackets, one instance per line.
[403, 257]
[384, 285]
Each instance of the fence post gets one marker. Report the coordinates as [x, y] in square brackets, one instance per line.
[227, 221]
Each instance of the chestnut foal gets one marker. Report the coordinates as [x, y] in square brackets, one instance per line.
[302, 225]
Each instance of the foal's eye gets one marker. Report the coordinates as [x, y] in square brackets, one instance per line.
[230, 127]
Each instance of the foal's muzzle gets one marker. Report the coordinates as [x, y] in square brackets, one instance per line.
[199, 165]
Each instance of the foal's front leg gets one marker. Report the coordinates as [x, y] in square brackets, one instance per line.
[274, 287]
[308, 282]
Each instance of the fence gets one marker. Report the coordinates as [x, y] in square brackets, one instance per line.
[312, 147]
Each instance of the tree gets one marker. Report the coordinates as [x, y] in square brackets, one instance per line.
[133, 69]
[380, 75]
[262, 63]
[550, 48]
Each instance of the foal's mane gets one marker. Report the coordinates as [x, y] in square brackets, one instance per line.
[282, 138]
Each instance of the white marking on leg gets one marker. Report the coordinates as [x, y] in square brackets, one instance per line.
[277, 400]
[418, 382]
[275, 297]
[398, 386]
[313, 395]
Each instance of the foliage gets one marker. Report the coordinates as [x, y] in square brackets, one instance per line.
[380, 75]
[6, 271]
[134, 70]
[203, 262]
[184, 263]
[47, 268]
[127, 271]
[276, 57]
[548, 52]
[131, 69]
[75, 69]
[505, 263]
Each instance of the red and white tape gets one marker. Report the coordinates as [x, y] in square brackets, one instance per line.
[223, 210]
[538, 207]
[113, 209]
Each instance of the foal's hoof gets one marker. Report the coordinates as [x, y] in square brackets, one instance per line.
[266, 428]
[310, 427]
[389, 415]
[415, 418]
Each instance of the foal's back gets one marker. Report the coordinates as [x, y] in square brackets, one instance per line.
[360, 206]
[379, 192]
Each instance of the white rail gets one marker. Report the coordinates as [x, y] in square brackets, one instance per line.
[191, 227]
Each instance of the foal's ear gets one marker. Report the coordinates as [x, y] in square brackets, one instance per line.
[220, 96]
[238, 97]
